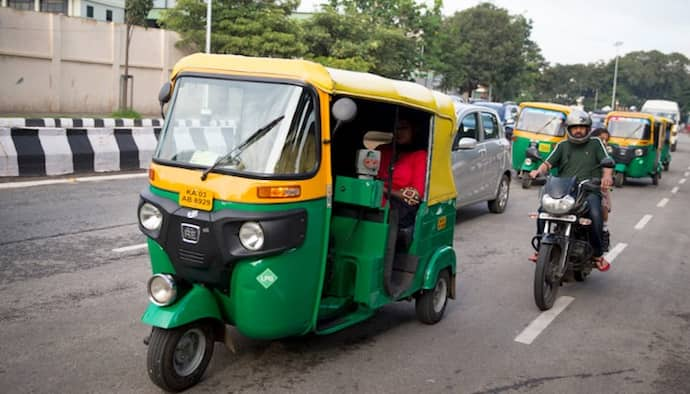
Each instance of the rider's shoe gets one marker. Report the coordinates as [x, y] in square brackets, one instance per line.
[602, 264]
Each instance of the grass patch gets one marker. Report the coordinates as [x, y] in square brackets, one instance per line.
[126, 113]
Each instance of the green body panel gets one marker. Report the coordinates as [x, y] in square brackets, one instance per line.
[519, 148]
[196, 304]
[160, 262]
[289, 305]
[442, 259]
[362, 192]
[665, 156]
[642, 166]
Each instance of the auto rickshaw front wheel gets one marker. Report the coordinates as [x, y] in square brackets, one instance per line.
[431, 304]
[177, 358]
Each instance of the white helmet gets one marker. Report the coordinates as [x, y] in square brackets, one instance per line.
[578, 118]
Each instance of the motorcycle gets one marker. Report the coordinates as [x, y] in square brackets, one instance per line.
[564, 247]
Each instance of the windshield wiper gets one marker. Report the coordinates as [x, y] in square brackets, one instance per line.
[232, 155]
[634, 131]
[539, 130]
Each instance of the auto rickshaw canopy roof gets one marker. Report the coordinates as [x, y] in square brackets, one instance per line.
[552, 106]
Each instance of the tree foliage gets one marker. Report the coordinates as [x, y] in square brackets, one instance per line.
[242, 27]
[135, 14]
[486, 45]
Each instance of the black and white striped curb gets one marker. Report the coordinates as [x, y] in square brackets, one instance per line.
[42, 150]
[78, 122]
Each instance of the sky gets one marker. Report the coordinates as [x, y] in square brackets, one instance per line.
[585, 31]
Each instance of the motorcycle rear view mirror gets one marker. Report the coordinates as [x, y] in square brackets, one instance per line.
[344, 110]
[607, 162]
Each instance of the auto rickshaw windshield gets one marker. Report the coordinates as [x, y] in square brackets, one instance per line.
[541, 121]
[211, 118]
[634, 128]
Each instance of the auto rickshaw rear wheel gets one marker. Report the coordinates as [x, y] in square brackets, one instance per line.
[430, 304]
[655, 178]
[177, 358]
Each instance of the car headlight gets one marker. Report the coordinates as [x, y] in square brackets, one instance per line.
[251, 236]
[639, 152]
[162, 289]
[528, 162]
[557, 205]
[150, 217]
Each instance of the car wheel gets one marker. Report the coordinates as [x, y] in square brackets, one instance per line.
[498, 205]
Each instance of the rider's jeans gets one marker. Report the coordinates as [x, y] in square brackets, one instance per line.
[594, 202]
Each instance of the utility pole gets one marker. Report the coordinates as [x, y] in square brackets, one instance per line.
[208, 26]
[617, 44]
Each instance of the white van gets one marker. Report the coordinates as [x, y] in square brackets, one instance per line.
[668, 109]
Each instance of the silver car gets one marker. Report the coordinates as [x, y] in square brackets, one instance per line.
[481, 158]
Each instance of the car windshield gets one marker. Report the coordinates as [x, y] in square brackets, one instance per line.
[541, 121]
[629, 128]
[261, 128]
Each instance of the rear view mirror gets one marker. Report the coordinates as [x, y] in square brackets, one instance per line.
[164, 95]
[467, 143]
[344, 109]
[607, 162]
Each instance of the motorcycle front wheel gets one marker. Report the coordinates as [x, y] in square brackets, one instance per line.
[546, 283]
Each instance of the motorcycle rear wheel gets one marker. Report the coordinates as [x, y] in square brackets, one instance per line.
[545, 283]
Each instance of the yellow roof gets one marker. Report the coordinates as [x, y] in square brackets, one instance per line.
[622, 114]
[330, 80]
[553, 106]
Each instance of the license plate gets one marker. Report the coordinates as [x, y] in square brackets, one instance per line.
[546, 148]
[564, 218]
[194, 197]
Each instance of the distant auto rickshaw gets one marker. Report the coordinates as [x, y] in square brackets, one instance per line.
[636, 146]
[664, 125]
[264, 211]
[539, 127]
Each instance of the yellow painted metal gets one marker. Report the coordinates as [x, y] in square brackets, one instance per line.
[632, 141]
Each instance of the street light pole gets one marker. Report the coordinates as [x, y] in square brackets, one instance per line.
[208, 26]
[617, 44]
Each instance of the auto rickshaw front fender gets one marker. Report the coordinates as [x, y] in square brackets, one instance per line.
[196, 304]
[443, 258]
[620, 167]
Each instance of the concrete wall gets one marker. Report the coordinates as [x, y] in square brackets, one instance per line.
[56, 64]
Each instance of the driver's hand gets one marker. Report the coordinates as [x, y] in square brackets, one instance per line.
[606, 182]
[534, 174]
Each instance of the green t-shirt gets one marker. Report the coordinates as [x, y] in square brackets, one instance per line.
[579, 160]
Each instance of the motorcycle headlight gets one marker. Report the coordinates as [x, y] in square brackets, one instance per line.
[251, 236]
[528, 161]
[557, 205]
[162, 289]
[639, 152]
[150, 217]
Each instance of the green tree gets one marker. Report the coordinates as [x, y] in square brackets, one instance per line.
[135, 14]
[486, 45]
[241, 27]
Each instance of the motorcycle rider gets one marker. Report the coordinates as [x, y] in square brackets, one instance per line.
[580, 156]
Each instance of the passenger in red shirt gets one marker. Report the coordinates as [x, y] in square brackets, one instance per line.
[409, 171]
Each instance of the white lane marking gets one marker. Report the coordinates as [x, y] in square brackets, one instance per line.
[16, 185]
[674, 190]
[643, 222]
[532, 331]
[682, 181]
[662, 203]
[613, 253]
[129, 248]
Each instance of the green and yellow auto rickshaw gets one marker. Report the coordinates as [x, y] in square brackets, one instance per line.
[636, 146]
[539, 126]
[264, 211]
[664, 125]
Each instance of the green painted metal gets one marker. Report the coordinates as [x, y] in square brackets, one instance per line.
[443, 258]
[360, 314]
[640, 166]
[362, 192]
[620, 167]
[196, 304]
[519, 149]
[160, 262]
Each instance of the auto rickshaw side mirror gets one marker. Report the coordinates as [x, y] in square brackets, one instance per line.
[164, 95]
[344, 110]
[608, 162]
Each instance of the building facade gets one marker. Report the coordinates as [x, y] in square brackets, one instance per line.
[101, 10]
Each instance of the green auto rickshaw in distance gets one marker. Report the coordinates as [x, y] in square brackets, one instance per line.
[540, 127]
[264, 211]
[664, 126]
[635, 145]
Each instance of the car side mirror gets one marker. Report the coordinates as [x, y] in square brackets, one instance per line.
[467, 143]
[608, 162]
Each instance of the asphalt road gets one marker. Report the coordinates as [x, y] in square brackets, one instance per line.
[70, 307]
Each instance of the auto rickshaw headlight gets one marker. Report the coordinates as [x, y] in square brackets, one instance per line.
[639, 152]
[557, 205]
[162, 289]
[150, 217]
[251, 236]
[528, 161]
